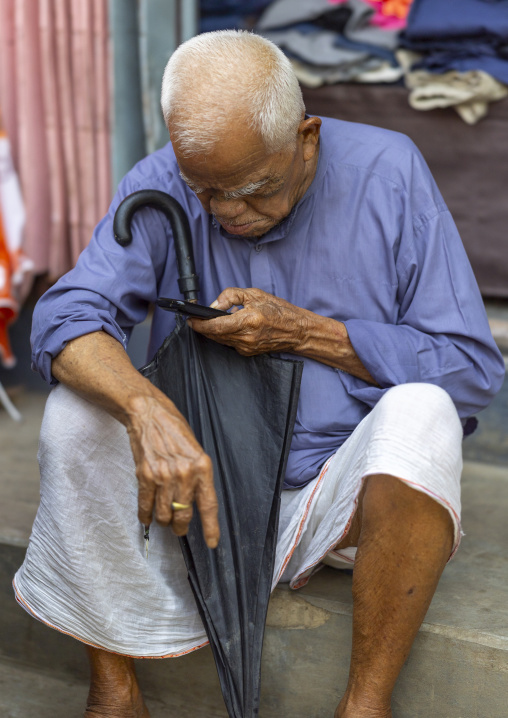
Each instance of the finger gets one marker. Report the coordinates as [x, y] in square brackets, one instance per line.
[163, 500]
[146, 500]
[232, 296]
[184, 495]
[215, 328]
[206, 501]
[182, 517]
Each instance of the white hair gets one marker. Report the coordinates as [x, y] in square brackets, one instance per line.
[217, 76]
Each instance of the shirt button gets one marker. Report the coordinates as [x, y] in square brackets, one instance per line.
[259, 247]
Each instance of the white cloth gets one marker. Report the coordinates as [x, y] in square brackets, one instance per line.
[469, 93]
[86, 573]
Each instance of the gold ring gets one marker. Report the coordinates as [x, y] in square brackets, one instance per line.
[179, 507]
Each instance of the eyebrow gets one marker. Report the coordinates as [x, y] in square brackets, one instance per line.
[190, 183]
[248, 189]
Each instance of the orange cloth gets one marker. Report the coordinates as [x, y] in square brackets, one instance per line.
[397, 8]
[8, 306]
[15, 267]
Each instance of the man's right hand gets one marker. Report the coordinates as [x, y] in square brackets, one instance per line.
[170, 464]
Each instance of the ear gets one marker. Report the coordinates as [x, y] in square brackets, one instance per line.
[309, 130]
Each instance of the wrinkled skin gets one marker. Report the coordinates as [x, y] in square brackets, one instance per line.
[266, 324]
[170, 466]
[240, 159]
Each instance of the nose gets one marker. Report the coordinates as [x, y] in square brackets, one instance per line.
[227, 208]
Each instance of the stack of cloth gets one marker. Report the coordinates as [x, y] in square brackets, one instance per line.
[332, 41]
[456, 54]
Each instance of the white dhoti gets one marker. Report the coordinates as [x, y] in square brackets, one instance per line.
[86, 572]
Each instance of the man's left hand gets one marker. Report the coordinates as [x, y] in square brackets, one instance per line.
[265, 324]
[270, 324]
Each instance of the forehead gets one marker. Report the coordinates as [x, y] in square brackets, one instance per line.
[233, 163]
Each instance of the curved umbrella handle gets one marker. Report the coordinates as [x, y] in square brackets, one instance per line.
[188, 279]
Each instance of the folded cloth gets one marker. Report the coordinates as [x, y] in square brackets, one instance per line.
[468, 92]
[283, 14]
[435, 20]
[459, 35]
[86, 572]
[370, 70]
[316, 48]
[329, 45]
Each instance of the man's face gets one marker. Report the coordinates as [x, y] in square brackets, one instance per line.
[248, 190]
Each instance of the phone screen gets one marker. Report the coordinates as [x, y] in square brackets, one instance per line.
[193, 310]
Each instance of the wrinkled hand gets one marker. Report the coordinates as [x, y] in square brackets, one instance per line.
[265, 324]
[171, 466]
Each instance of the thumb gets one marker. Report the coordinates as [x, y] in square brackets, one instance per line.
[230, 297]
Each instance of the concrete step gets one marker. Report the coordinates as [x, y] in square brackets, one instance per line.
[458, 667]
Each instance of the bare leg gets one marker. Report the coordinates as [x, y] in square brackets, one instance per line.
[404, 539]
[114, 690]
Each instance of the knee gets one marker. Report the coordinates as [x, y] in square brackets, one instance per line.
[423, 407]
[417, 397]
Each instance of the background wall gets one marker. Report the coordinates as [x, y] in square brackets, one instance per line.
[155, 28]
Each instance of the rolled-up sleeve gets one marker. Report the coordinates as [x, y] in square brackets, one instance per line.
[124, 282]
[441, 336]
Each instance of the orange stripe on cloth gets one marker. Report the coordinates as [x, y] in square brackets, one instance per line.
[304, 576]
[304, 517]
[27, 607]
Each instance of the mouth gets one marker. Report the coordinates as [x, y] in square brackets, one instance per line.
[237, 228]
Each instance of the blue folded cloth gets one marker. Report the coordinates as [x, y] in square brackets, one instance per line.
[434, 19]
[459, 35]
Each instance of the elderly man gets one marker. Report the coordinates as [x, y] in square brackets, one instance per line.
[334, 244]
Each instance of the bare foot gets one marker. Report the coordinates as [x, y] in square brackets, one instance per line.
[102, 711]
[131, 706]
[359, 713]
[346, 709]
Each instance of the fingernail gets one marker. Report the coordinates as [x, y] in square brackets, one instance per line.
[215, 304]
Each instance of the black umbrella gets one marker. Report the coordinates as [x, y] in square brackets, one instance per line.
[242, 411]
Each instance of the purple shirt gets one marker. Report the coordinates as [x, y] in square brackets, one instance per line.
[371, 244]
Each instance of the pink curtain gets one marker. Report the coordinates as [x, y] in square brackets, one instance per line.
[54, 97]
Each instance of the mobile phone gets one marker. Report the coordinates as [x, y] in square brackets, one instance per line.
[193, 310]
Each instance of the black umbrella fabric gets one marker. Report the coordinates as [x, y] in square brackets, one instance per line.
[242, 411]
